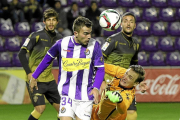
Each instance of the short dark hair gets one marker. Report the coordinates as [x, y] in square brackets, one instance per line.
[138, 69]
[74, 3]
[92, 2]
[129, 13]
[50, 12]
[81, 22]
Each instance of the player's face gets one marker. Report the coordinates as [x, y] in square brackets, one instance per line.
[50, 23]
[129, 78]
[83, 36]
[128, 24]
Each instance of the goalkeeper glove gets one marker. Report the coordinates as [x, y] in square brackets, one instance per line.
[114, 96]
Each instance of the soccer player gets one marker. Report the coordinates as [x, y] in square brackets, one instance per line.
[80, 58]
[122, 50]
[119, 93]
[37, 44]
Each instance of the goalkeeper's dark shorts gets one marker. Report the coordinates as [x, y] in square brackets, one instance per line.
[133, 105]
[45, 89]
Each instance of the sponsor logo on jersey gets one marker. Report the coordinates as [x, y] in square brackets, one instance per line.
[26, 42]
[73, 64]
[67, 50]
[44, 40]
[122, 43]
[104, 47]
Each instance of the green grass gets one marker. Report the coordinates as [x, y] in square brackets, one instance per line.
[146, 111]
[158, 111]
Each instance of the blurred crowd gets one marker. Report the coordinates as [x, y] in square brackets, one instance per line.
[14, 11]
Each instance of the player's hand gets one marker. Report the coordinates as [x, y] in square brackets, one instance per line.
[29, 76]
[143, 86]
[95, 93]
[32, 84]
[114, 96]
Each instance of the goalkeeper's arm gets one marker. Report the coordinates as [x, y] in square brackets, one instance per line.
[116, 97]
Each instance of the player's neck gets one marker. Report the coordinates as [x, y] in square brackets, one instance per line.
[76, 40]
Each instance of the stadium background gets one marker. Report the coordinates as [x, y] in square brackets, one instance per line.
[158, 31]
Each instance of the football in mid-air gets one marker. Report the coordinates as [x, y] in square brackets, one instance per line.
[110, 20]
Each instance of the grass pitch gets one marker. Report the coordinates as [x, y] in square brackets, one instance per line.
[146, 111]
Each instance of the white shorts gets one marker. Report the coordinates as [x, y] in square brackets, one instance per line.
[72, 108]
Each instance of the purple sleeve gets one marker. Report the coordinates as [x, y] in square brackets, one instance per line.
[42, 66]
[54, 50]
[99, 77]
[98, 57]
[49, 57]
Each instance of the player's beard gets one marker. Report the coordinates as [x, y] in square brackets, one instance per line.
[128, 33]
[49, 29]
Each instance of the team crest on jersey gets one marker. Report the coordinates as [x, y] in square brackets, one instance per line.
[87, 52]
[63, 110]
[104, 47]
[134, 46]
[26, 42]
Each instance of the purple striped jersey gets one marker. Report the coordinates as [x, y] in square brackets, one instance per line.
[76, 68]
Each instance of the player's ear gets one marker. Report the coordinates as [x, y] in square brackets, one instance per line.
[75, 34]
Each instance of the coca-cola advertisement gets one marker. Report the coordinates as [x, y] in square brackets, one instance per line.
[163, 86]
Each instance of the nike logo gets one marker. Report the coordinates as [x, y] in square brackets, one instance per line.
[67, 50]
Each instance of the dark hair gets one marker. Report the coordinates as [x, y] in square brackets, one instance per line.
[74, 3]
[93, 2]
[50, 12]
[81, 22]
[129, 13]
[138, 69]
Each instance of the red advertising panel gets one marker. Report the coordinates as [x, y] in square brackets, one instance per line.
[163, 84]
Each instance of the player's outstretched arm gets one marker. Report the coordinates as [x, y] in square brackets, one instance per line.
[113, 70]
[115, 97]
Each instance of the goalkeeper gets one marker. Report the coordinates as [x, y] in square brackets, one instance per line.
[119, 93]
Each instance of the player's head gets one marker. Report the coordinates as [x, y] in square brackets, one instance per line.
[50, 19]
[128, 23]
[82, 28]
[133, 76]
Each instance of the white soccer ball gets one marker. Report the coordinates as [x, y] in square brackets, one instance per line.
[110, 20]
